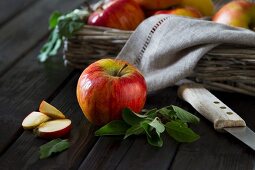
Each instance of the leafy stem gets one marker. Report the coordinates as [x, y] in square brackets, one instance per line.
[62, 26]
[172, 119]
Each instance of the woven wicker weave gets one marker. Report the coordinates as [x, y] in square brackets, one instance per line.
[226, 68]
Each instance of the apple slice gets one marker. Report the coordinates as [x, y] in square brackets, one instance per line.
[51, 111]
[34, 119]
[54, 128]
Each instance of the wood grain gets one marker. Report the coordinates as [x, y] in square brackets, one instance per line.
[14, 8]
[23, 32]
[82, 138]
[23, 88]
[210, 106]
[219, 150]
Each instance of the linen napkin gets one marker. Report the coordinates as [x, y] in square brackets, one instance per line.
[166, 48]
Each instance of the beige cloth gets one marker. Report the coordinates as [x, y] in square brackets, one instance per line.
[166, 48]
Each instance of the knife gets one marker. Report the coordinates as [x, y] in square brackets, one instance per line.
[222, 117]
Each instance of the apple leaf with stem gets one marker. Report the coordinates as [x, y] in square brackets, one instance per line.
[62, 26]
[153, 123]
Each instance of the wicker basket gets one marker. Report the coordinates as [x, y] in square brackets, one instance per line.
[226, 68]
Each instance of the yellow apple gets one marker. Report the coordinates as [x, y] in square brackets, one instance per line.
[206, 7]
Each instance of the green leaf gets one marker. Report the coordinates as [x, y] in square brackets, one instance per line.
[116, 127]
[130, 117]
[62, 26]
[152, 130]
[184, 115]
[54, 19]
[134, 130]
[168, 113]
[154, 139]
[54, 146]
[146, 127]
[180, 132]
[50, 48]
[68, 27]
[159, 127]
[151, 113]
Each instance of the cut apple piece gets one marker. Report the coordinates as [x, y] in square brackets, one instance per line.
[34, 119]
[51, 111]
[54, 128]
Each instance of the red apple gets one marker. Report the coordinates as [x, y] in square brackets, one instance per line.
[53, 129]
[108, 86]
[185, 11]
[120, 14]
[237, 13]
[34, 119]
[50, 110]
[157, 4]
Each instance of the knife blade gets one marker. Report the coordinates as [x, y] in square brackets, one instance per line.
[217, 112]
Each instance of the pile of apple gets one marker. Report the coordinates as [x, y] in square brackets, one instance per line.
[49, 122]
[128, 14]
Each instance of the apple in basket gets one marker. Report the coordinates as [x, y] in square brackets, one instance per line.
[185, 11]
[106, 87]
[157, 4]
[206, 7]
[237, 13]
[120, 14]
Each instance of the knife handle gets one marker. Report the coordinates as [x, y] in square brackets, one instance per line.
[210, 106]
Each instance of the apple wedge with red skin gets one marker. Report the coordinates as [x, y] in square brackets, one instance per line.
[53, 129]
[51, 111]
[120, 14]
[34, 119]
[106, 87]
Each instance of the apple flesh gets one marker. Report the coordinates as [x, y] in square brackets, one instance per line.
[53, 129]
[186, 11]
[120, 14]
[50, 110]
[108, 86]
[206, 7]
[157, 4]
[237, 13]
[34, 119]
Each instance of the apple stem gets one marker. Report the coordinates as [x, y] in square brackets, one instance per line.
[119, 72]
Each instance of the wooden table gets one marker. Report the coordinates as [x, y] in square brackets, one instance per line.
[24, 83]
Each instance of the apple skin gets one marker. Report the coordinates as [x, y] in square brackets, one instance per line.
[120, 14]
[53, 134]
[206, 7]
[157, 4]
[236, 13]
[102, 94]
[185, 11]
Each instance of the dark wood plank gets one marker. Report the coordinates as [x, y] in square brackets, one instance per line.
[11, 8]
[23, 87]
[135, 153]
[107, 153]
[219, 150]
[23, 32]
[82, 138]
